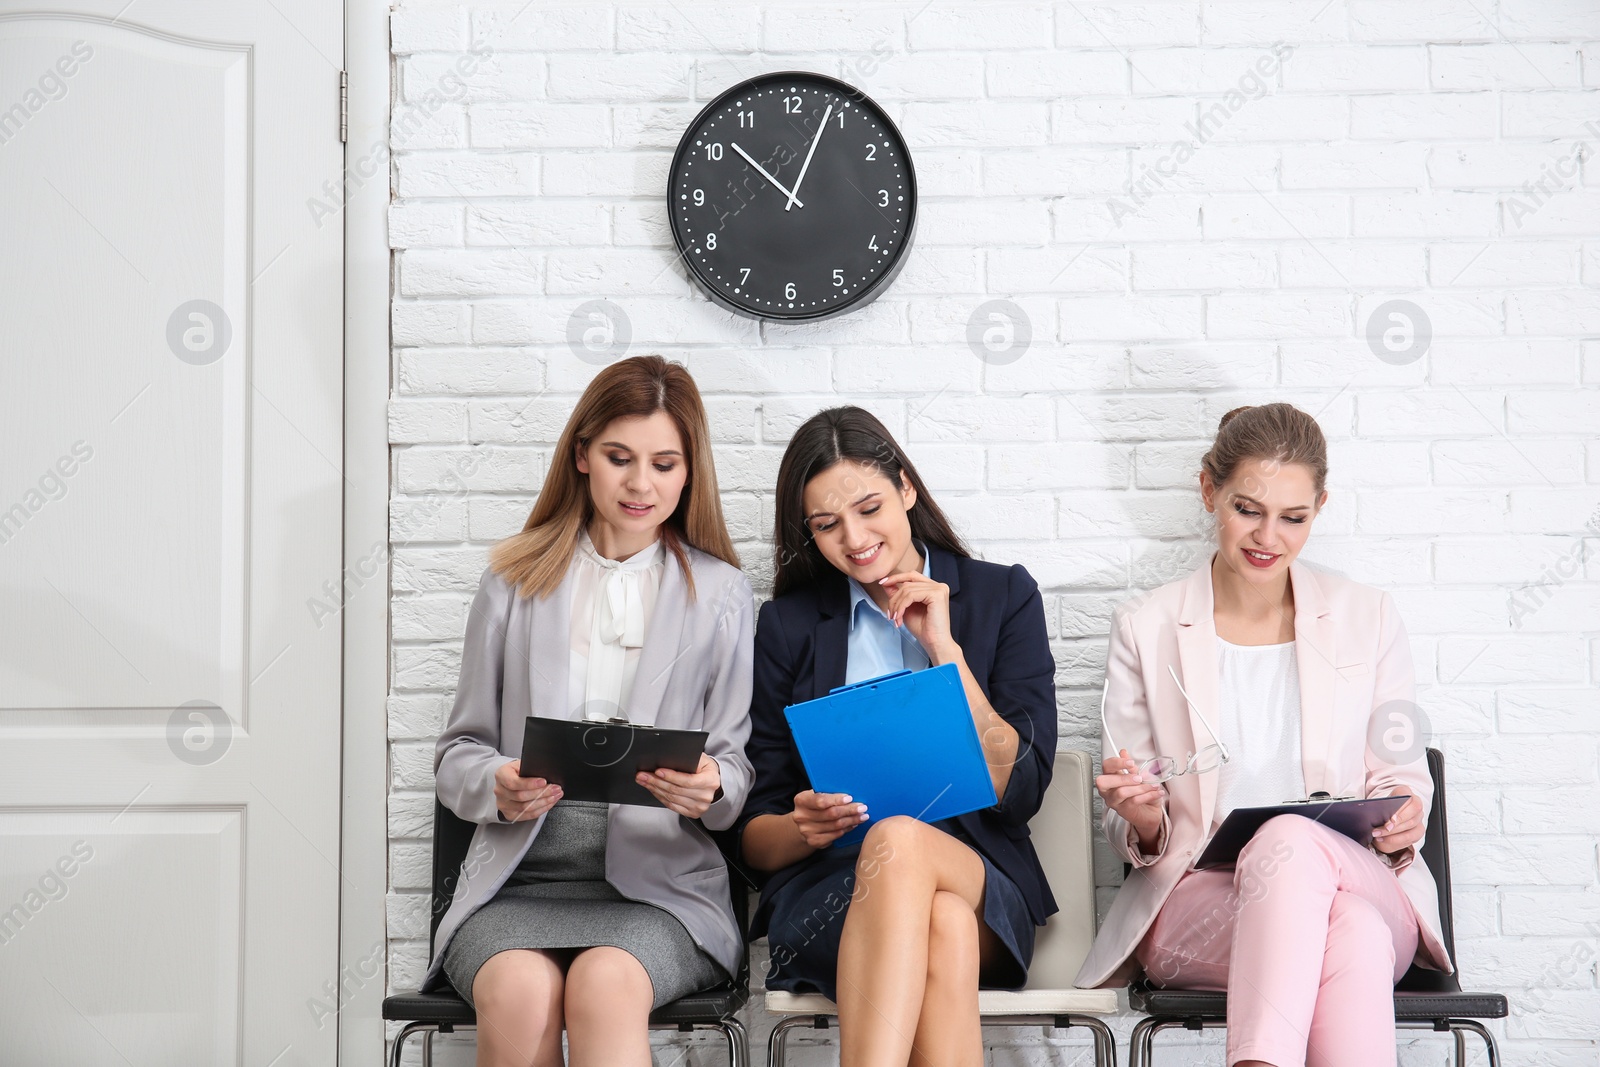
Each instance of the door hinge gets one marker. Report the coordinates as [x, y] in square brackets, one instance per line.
[344, 106]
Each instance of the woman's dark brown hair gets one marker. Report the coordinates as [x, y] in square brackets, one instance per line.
[839, 435]
[1280, 432]
[536, 560]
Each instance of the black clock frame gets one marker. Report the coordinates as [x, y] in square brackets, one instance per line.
[685, 245]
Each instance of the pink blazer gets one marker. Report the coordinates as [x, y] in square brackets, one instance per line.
[1352, 654]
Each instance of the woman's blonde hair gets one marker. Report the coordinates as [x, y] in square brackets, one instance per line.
[1280, 432]
[536, 560]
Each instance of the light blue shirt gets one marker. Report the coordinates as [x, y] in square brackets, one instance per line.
[876, 646]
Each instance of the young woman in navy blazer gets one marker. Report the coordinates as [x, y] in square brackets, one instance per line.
[901, 930]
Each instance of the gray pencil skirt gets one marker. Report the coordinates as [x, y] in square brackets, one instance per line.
[558, 898]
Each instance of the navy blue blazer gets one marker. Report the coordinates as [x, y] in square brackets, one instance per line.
[997, 617]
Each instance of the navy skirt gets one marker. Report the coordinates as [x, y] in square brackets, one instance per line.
[807, 916]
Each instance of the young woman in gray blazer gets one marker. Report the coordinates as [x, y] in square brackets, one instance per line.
[621, 597]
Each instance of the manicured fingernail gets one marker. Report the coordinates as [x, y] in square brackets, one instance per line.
[844, 798]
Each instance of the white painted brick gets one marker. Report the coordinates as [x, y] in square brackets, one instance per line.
[1281, 314]
[460, 174]
[1114, 121]
[1342, 364]
[1205, 267]
[1550, 113]
[1521, 19]
[1211, 168]
[1202, 366]
[1436, 215]
[1054, 268]
[1503, 461]
[537, 222]
[1161, 217]
[426, 126]
[421, 323]
[541, 27]
[1286, 216]
[1274, 118]
[1421, 116]
[958, 418]
[1180, 71]
[1049, 367]
[990, 26]
[1352, 165]
[1502, 264]
[1315, 68]
[540, 125]
[427, 29]
[1420, 20]
[427, 421]
[462, 371]
[849, 28]
[1129, 318]
[925, 76]
[467, 78]
[469, 272]
[1553, 311]
[1113, 24]
[1415, 159]
[606, 173]
[1060, 466]
[421, 225]
[666, 28]
[1502, 362]
[1351, 264]
[1035, 74]
[1504, 66]
[1269, 21]
[957, 123]
[1045, 171]
[636, 76]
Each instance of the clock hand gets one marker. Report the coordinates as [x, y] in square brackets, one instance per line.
[767, 176]
[802, 177]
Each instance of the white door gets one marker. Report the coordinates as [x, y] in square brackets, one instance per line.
[170, 509]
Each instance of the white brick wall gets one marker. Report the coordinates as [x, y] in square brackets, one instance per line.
[1430, 150]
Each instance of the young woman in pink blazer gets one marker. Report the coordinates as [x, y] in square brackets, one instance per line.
[1260, 680]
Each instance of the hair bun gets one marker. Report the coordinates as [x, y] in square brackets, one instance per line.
[1230, 416]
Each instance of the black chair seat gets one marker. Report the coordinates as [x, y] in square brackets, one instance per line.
[448, 1009]
[1413, 1006]
[1409, 1007]
[445, 1008]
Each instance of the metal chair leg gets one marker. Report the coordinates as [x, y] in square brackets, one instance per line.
[738, 1042]
[1105, 1042]
[1140, 1043]
[777, 1043]
[1461, 1046]
[427, 1048]
[1483, 1032]
[400, 1039]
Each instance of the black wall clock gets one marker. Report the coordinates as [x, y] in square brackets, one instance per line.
[792, 197]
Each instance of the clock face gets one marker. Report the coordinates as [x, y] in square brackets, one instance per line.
[792, 197]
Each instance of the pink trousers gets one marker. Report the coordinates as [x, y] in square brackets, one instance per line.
[1308, 934]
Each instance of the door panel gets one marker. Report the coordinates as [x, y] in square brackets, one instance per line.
[170, 530]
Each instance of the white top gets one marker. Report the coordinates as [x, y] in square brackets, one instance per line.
[612, 601]
[1259, 704]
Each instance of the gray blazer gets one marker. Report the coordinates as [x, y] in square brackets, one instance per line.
[693, 673]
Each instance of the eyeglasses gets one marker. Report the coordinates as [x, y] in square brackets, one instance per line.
[1165, 768]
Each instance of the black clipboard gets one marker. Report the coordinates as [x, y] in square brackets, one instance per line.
[597, 760]
[1355, 819]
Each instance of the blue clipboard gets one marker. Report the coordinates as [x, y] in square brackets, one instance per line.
[902, 744]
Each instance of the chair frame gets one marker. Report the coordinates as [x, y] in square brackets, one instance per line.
[1413, 991]
[452, 837]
